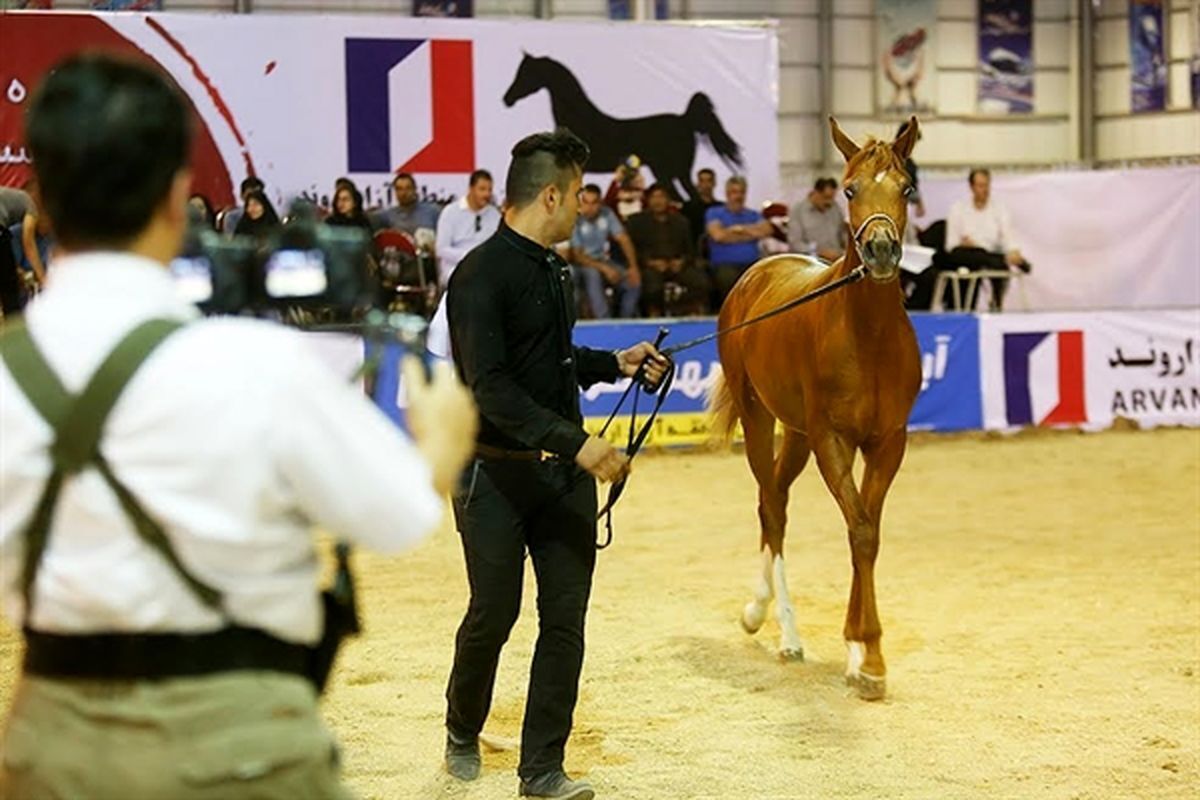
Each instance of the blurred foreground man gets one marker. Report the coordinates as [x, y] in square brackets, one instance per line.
[161, 476]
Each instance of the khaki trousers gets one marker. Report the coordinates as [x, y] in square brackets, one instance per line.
[220, 737]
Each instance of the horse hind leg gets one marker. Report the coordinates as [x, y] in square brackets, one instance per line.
[759, 428]
[793, 456]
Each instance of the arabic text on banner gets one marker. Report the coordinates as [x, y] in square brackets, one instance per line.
[907, 55]
[1147, 56]
[1088, 369]
[1005, 56]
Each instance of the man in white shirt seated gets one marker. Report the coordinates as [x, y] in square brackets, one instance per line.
[979, 235]
[162, 476]
[465, 224]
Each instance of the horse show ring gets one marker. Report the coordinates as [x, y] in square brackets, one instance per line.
[1040, 597]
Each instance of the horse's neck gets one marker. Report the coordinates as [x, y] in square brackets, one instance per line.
[568, 100]
[871, 306]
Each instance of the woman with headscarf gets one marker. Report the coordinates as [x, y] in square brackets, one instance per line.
[260, 219]
[348, 208]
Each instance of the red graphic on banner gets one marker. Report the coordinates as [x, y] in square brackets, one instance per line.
[33, 43]
[1071, 407]
[452, 148]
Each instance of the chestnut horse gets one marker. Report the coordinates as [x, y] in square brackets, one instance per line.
[840, 374]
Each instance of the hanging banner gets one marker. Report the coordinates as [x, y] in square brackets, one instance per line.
[907, 80]
[1005, 56]
[443, 8]
[624, 9]
[127, 5]
[1195, 56]
[1087, 369]
[27, 4]
[1148, 62]
[302, 100]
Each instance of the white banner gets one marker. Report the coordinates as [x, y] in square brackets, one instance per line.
[1103, 239]
[1087, 369]
[302, 100]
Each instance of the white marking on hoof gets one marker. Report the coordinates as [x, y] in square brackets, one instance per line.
[868, 687]
[789, 637]
[755, 612]
[856, 654]
[791, 655]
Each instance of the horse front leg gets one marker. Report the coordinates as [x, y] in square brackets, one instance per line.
[865, 668]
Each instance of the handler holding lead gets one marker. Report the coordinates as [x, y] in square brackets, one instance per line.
[160, 479]
[511, 309]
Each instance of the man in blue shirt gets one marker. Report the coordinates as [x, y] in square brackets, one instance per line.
[733, 231]
[409, 214]
[595, 228]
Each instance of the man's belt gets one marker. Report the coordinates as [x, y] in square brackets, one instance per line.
[489, 453]
[158, 656]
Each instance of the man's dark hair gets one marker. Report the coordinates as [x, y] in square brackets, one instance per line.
[592, 188]
[540, 160]
[480, 175]
[251, 184]
[708, 172]
[404, 176]
[825, 183]
[984, 171]
[657, 187]
[108, 136]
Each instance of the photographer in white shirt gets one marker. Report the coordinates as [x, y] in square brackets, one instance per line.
[232, 439]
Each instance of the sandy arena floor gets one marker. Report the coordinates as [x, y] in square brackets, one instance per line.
[1040, 599]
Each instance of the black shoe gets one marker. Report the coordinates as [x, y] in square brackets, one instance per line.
[462, 757]
[1025, 266]
[558, 786]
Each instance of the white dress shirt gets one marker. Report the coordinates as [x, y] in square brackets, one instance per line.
[988, 227]
[460, 230]
[457, 234]
[233, 435]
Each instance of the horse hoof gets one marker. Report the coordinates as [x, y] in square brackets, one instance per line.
[868, 687]
[753, 616]
[787, 654]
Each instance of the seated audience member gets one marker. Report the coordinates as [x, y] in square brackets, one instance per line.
[734, 231]
[348, 208]
[234, 215]
[466, 223]
[979, 236]
[595, 229]
[33, 241]
[409, 214]
[626, 193]
[203, 210]
[14, 205]
[662, 239]
[816, 224]
[695, 209]
[12, 293]
[260, 219]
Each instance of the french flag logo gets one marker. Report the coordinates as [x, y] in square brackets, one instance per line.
[410, 105]
[1043, 378]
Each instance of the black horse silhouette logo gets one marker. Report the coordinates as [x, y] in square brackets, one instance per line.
[666, 143]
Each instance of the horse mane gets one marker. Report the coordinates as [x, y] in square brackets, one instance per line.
[874, 156]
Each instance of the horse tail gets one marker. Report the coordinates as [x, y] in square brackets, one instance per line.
[723, 412]
[702, 117]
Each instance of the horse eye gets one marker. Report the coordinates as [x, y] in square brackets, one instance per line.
[849, 192]
[908, 190]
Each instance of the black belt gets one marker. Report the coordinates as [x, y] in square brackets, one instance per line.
[157, 656]
[489, 453]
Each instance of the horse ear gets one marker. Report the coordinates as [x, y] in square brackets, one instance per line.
[903, 146]
[843, 142]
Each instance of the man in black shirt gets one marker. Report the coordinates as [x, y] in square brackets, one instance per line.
[695, 208]
[663, 240]
[531, 487]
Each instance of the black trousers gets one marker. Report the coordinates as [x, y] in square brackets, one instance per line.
[503, 509]
[724, 276]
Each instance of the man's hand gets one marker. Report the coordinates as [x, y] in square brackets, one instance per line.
[967, 241]
[601, 460]
[633, 278]
[656, 365]
[442, 418]
[1013, 258]
[612, 275]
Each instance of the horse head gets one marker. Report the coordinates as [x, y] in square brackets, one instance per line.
[526, 82]
[877, 186]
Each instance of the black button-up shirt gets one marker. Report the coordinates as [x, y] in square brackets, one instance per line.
[510, 304]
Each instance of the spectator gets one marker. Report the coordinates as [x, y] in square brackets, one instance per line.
[734, 231]
[409, 214]
[260, 219]
[695, 209]
[979, 236]
[203, 210]
[466, 223]
[348, 208]
[914, 196]
[816, 225]
[626, 193]
[234, 215]
[14, 205]
[663, 241]
[595, 229]
[33, 241]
